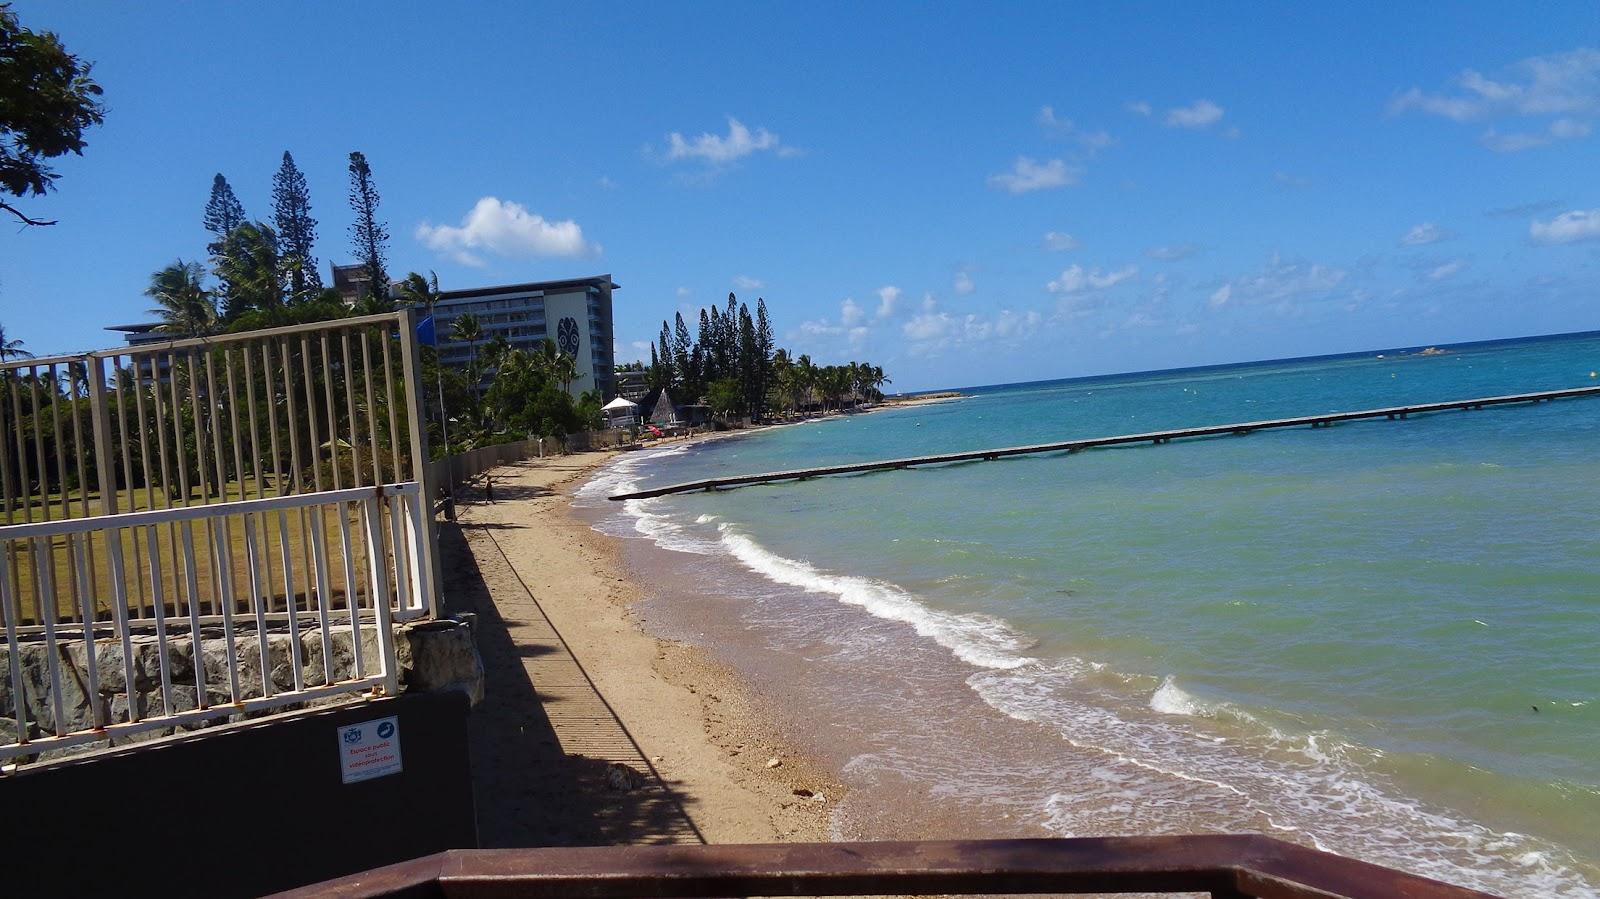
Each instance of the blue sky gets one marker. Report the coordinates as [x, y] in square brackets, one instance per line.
[965, 194]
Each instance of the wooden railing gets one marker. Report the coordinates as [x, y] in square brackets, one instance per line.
[1222, 865]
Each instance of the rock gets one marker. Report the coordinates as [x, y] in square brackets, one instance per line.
[623, 778]
[8, 730]
[819, 798]
[442, 656]
[774, 762]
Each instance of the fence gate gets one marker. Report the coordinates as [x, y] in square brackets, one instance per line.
[208, 527]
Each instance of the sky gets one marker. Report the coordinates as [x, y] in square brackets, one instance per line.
[962, 193]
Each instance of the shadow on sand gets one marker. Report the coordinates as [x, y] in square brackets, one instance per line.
[529, 792]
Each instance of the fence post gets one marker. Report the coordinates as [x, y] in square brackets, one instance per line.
[94, 372]
[411, 363]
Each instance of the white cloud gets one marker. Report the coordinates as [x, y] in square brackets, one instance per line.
[888, 298]
[716, 149]
[1568, 227]
[606, 183]
[505, 229]
[745, 282]
[1523, 210]
[1284, 179]
[1199, 114]
[1078, 280]
[819, 328]
[854, 335]
[1028, 175]
[1092, 142]
[1138, 107]
[1517, 141]
[932, 330]
[1172, 252]
[963, 284]
[1449, 269]
[684, 293]
[851, 313]
[1014, 324]
[1555, 84]
[1564, 87]
[928, 326]
[1423, 234]
[1279, 283]
[1058, 242]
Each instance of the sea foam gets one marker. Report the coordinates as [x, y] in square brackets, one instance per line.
[981, 640]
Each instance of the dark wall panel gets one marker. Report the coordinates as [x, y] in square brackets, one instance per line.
[241, 811]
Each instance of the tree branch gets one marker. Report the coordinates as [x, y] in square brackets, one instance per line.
[25, 219]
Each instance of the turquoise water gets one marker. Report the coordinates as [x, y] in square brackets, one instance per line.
[1350, 628]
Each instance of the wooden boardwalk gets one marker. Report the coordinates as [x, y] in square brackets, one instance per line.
[1152, 437]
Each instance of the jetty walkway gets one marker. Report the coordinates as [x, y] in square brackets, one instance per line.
[1152, 437]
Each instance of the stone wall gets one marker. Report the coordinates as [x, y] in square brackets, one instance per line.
[431, 655]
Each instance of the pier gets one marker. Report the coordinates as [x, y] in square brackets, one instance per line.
[1151, 437]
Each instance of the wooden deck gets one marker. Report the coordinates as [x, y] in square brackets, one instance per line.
[1152, 437]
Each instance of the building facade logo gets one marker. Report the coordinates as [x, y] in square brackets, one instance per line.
[567, 336]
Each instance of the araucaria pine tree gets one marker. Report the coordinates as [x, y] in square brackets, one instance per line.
[297, 230]
[368, 236]
[224, 213]
[765, 344]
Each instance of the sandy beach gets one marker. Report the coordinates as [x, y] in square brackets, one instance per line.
[593, 731]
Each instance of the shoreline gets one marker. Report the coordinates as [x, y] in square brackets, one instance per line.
[808, 690]
[708, 737]
[947, 771]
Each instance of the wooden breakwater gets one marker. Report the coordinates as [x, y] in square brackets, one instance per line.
[1152, 437]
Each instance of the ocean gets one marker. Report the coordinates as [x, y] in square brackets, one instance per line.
[1380, 638]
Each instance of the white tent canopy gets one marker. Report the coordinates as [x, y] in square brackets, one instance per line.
[619, 403]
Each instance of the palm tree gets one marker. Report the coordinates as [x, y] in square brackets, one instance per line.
[467, 328]
[416, 290]
[807, 373]
[185, 306]
[495, 349]
[11, 349]
[251, 266]
[557, 365]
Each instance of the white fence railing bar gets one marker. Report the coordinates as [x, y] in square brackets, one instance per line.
[200, 422]
[223, 639]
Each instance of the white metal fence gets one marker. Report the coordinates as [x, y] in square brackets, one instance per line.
[208, 527]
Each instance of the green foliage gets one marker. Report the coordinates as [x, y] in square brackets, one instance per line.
[368, 236]
[589, 414]
[297, 230]
[252, 267]
[725, 396]
[223, 213]
[11, 349]
[526, 400]
[738, 370]
[47, 100]
[185, 307]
